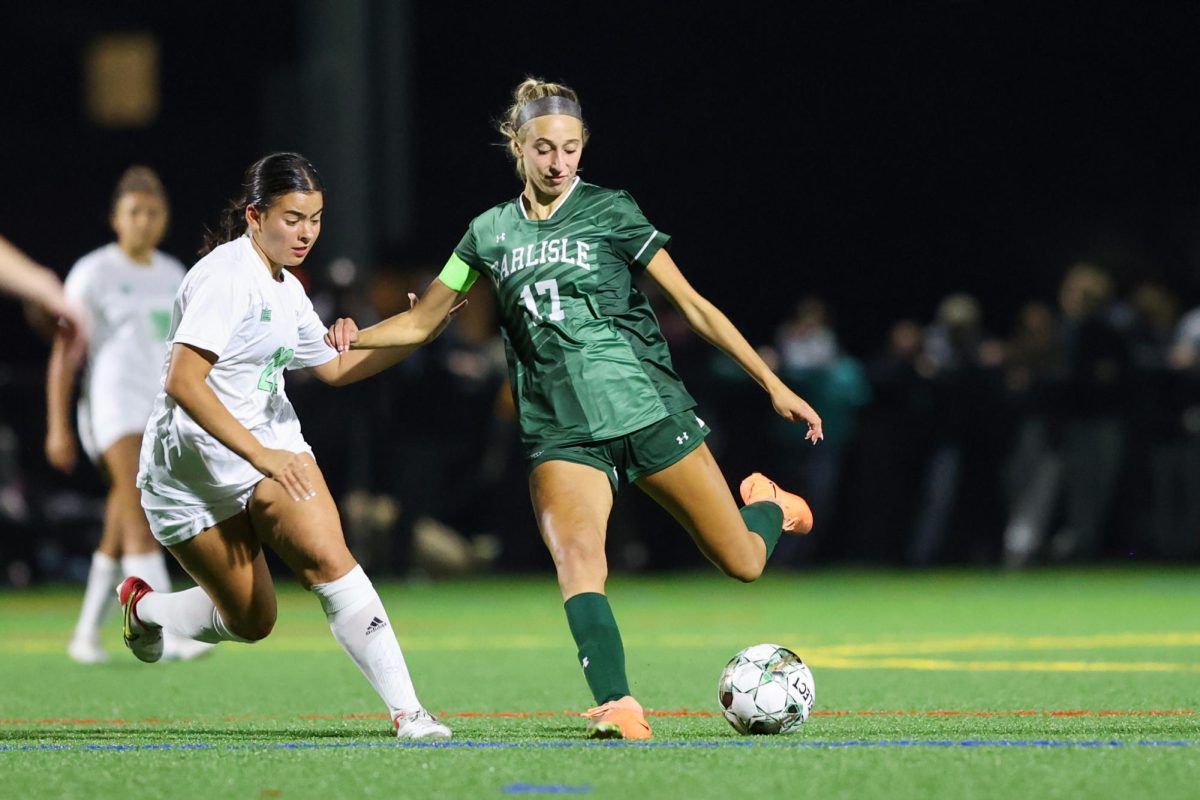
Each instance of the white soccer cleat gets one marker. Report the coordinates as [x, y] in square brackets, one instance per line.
[179, 648]
[419, 724]
[84, 650]
[145, 641]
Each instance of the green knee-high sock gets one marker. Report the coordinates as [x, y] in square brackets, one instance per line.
[601, 653]
[766, 519]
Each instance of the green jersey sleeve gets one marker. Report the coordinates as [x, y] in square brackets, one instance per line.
[633, 237]
[468, 249]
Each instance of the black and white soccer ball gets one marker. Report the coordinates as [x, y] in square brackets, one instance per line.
[766, 689]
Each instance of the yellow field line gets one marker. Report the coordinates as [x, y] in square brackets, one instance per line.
[984, 643]
[898, 655]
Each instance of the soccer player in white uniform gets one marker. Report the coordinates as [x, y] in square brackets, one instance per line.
[224, 466]
[125, 290]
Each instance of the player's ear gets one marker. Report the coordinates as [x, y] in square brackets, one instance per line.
[253, 218]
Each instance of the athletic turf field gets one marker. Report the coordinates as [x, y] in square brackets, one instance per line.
[944, 684]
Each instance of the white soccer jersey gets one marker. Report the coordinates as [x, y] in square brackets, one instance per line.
[230, 305]
[128, 308]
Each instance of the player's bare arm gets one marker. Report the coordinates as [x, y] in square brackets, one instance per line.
[185, 384]
[419, 325]
[61, 448]
[708, 321]
[25, 278]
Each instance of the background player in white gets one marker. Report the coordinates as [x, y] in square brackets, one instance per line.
[224, 467]
[125, 290]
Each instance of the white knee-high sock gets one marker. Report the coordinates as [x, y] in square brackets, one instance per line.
[150, 567]
[189, 614]
[361, 627]
[103, 577]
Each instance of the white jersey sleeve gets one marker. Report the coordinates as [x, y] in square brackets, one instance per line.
[214, 303]
[311, 350]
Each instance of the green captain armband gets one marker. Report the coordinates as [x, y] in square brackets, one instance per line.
[457, 274]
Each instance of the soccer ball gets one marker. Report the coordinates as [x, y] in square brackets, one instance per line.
[766, 689]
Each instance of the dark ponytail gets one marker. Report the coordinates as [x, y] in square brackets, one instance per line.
[266, 180]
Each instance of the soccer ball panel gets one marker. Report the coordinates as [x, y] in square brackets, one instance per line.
[746, 678]
[742, 706]
[771, 698]
[762, 726]
[736, 722]
[760, 653]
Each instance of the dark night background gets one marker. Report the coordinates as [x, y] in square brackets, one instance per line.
[878, 155]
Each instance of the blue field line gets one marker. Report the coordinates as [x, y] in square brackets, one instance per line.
[547, 788]
[468, 745]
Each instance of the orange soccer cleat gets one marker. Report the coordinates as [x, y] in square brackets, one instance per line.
[618, 719]
[797, 516]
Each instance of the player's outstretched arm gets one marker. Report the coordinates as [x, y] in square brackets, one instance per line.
[708, 321]
[419, 325]
[21, 276]
[363, 353]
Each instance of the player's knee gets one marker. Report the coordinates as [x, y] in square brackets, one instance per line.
[254, 627]
[581, 562]
[746, 569]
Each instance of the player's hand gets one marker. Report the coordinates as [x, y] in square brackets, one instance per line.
[793, 408]
[289, 469]
[74, 334]
[342, 334]
[61, 450]
[72, 322]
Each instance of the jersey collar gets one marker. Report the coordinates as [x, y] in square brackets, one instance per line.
[557, 208]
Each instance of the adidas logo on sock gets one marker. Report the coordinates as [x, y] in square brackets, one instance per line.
[376, 625]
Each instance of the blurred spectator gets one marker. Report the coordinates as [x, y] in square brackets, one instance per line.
[884, 464]
[958, 360]
[1152, 474]
[1092, 404]
[1177, 456]
[1034, 469]
[808, 359]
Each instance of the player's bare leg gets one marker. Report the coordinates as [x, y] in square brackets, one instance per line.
[694, 491]
[234, 601]
[572, 503]
[104, 574]
[126, 548]
[125, 499]
[141, 555]
[307, 534]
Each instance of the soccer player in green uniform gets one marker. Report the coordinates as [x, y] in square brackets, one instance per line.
[598, 399]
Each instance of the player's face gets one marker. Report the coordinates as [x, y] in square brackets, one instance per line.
[550, 152]
[139, 220]
[287, 230]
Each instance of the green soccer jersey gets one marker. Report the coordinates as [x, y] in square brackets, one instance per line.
[586, 357]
